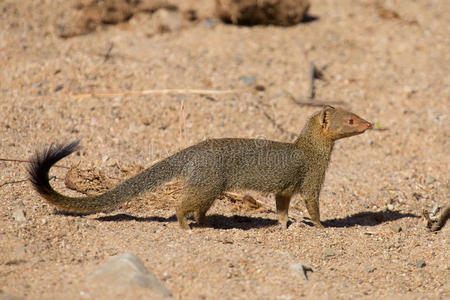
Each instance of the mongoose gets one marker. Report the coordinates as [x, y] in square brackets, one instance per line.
[214, 166]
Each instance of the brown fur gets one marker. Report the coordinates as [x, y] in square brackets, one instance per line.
[217, 165]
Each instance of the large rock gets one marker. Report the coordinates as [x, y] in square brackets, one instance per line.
[265, 12]
[125, 272]
[84, 16]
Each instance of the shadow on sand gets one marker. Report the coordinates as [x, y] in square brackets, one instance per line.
[366, 218]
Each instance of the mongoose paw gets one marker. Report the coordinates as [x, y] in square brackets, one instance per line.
[319, 225]
[185, 226]
[284, 226]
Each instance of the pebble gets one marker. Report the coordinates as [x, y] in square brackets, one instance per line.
[329, 252]
[302, 269]
[370, 269]
[125, 271]
[430, 180]
[20, 253]
[396, 228]
[18, 256]
[19, 215]
[435, 209]
[421, 264]
[59, 87]
[248, 79]
[210, 23]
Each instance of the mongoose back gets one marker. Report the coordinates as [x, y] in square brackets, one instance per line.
[214, 166]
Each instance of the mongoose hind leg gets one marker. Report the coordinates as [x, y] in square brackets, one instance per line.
[282, 203]
[181, 217]
[200, 213]
[195, 200]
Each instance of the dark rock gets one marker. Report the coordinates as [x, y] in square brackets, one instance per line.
[262, 12]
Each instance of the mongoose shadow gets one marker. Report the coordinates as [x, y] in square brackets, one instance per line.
[127, 217]
[215, 221]
[366, 218]
[310, 18]
[120, 217]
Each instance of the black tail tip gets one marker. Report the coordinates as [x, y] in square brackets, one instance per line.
[42, 161]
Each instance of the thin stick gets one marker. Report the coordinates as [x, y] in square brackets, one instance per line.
[165, 92]
[436, 223]
[246, 199]
[183, 128]
[275, 123]
[315, 103]
[12, 182]
[108, 52]
[312, 76]
[27, 161]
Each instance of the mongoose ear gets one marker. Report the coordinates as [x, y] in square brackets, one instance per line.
[324, 116]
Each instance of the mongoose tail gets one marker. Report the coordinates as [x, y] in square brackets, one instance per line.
[41, 163]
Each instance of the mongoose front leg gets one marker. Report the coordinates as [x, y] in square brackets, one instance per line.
[282, 202]
[312, 205]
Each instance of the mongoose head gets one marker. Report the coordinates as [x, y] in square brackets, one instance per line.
[337, 123]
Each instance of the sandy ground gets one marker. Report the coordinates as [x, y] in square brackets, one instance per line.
[388, 61]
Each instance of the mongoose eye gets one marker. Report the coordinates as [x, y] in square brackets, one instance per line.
[350, 121]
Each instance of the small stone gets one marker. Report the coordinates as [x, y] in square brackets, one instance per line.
[5, 296]
[370, 269]
[430, 180]
[18, 256]
[124, 271]
[248, 79]
[435, 209]
[417, 196]
[390, 207]
[284, 253]
[20, 252]
[329, 252]
[302, 269]
[19, 215]
[167, 21]
[421, 264]
[210, 23]
[396, 228]
[59, 87]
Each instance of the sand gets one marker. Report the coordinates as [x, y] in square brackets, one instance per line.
[387, 61]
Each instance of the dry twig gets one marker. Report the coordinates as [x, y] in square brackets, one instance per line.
[274, 122]
[12, 182]
[246, 199]
[312, 76]
[166, 92]
[436, 223]
[313, 103]
[28, 161]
